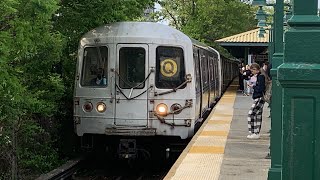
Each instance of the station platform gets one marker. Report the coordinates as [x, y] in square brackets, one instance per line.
[220, 149]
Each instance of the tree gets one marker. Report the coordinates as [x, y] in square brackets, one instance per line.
[209, 20]
[29, 90]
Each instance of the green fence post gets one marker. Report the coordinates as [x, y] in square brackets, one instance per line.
[299, 76]
[276, 101]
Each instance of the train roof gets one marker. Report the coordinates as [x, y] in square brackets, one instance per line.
[139, 30]
[204, 46]
[142, 32]
[199, 44]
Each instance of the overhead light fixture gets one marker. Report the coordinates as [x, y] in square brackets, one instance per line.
[259, 3]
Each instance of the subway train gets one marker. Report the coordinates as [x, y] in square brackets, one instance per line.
[138, 80]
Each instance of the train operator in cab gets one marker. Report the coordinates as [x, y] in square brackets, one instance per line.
[100, 80]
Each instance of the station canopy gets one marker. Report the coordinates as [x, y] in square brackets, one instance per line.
[245, 43]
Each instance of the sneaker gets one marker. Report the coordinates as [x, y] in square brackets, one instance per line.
[254, 136]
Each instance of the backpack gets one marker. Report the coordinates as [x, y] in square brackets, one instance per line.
[267, 93]
[268, 87]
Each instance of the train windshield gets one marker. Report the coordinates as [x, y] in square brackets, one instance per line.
[132, 67]
[170, 67]
[95, 65]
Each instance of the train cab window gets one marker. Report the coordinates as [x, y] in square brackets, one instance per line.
[170, 70]
[95, 66]
[132, 67]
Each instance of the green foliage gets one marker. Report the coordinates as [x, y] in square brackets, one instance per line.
[37, 154]
[209, 20]
[28, 89]
[78, 17]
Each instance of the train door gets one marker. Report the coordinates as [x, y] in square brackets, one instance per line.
[211, 77]
[196, 62]
[131, 85]
[216, 77]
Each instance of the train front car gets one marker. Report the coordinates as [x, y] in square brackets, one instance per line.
[135, 79]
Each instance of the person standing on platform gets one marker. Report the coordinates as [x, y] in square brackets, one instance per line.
[246, 81]
[241, 69]
[255, 112]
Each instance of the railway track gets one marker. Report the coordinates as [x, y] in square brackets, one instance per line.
[142, 176]
[123, 170]
[63, 172]
[93, 169]
[100, 165]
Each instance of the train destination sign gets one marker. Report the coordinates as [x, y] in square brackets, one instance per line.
[168, 68]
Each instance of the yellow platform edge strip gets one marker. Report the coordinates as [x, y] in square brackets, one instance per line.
[219, 122]
[218, 115]
[207, 149]
[214, 133]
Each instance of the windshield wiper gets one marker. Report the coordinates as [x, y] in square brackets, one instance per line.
[188, 80]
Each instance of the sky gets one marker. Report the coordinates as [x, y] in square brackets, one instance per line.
[157, 8]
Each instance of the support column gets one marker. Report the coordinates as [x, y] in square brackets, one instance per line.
[276, 102]
[271, 44]
[246, 54]
[299, 77]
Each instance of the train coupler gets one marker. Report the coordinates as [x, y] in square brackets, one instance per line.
[127, 149]
[86, 143]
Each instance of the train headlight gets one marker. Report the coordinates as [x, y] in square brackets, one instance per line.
[176, 108]
[162, 109]
[88, 107]
[101, 107]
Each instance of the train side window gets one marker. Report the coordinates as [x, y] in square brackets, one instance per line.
[132, 67]
[95, 65]
[170, 69]
[204, 67]
[211, 67]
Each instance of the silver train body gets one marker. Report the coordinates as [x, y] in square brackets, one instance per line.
[146, 79]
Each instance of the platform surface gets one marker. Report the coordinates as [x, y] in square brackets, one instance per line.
[220, 149]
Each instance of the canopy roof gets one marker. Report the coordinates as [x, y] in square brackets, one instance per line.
[249, 38]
